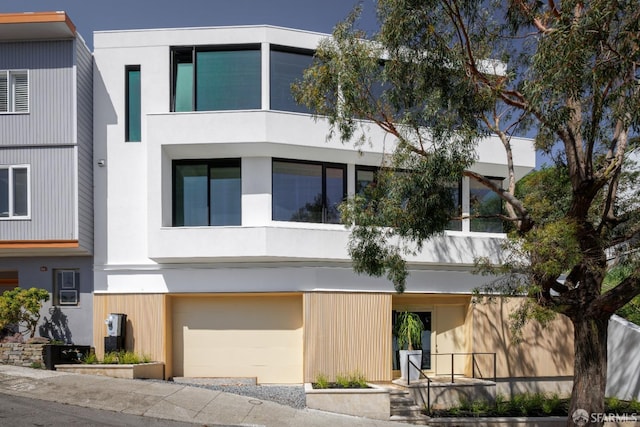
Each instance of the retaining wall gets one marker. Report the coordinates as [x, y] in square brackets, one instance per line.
[28, 355]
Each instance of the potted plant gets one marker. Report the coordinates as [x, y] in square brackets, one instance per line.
[408, 332]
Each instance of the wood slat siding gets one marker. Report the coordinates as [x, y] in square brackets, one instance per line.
[147, 317]
[345, 333]
[51, 93]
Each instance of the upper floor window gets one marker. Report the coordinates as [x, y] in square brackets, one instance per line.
[367, 175]
[308, 191]
[485, 207]
[14, 191]
[132, 106]
[207, 192]
[215, 78]
[286, 67]
[14, 91]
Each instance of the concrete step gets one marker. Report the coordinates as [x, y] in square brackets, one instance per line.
[421, 420]
[401, 401]
[407, 411]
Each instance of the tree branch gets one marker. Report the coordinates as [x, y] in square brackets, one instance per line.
[612, 300]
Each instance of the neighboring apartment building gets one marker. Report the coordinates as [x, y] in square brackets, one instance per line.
[217, 233]
[46, 174]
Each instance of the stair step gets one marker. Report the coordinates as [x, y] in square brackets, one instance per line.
[418, 420]
[407, 410]
[402, 401]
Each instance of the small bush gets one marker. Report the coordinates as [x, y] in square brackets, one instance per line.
[342, 381]
[527, 404]
[110, 358]
[90, 359]
[553, 405]
[353, 380]
[321, 382]
[119, 358]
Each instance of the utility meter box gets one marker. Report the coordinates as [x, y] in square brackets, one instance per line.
[116, 330]
[116, 324]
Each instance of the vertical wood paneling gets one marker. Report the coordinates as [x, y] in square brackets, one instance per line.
[345, 333]
[147, 329]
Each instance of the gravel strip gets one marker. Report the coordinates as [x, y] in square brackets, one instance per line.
[285, 395]
[292, 395]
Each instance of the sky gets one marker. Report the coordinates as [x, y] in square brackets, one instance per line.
[95, 15]
[98, 15]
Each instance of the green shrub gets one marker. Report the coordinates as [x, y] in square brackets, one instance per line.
[321, 382]
[110, 358]
[90, 359]
[128, 358]
[527, 404]
[123, 358]
[553, 404]
[502, 404]
[614, 405]
[22, 307]
[342, 381]
[357, 380]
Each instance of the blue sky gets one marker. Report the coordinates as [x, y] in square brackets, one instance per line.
[94, 15]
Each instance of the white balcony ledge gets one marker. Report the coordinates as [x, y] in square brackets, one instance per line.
[307, 243]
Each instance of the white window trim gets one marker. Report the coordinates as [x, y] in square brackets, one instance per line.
[10, 168]
[72, 292]
[10, 95]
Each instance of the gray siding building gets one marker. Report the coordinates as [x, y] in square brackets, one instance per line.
[46, 175]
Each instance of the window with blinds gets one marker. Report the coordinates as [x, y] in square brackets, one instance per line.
[14, 91]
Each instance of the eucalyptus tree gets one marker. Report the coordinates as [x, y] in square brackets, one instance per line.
[440, 75]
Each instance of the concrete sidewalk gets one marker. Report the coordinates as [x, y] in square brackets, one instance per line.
[166, 400]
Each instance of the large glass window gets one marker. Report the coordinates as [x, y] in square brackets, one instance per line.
[14, 191]
[286, 68]
[204, 79]
[133, 118]
[367, 175]
[485, 206]
[308, 192]
[14, 91]
[207, 192]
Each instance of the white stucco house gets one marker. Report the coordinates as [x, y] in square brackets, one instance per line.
[217, 232]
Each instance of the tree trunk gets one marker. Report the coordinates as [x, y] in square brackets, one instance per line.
[590, 371]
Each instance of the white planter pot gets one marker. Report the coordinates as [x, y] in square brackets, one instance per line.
[416, 358]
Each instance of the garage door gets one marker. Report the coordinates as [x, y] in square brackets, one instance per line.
[238, 336]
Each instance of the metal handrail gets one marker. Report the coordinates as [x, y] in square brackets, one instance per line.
[473, 363]
[429, 381]
[409, 365]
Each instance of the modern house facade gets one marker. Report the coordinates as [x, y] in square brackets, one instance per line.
[46, 174]
[217, 232]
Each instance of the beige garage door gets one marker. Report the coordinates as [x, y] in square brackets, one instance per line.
[238, 336]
